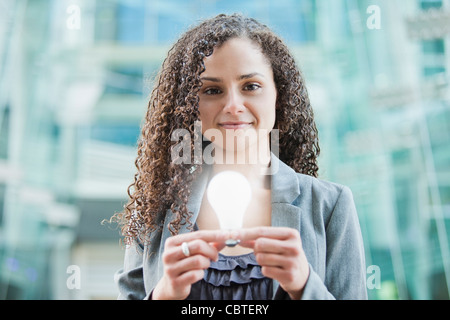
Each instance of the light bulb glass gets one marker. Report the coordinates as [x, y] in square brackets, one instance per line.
[229, 194]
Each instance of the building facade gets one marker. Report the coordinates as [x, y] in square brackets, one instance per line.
[75, 76]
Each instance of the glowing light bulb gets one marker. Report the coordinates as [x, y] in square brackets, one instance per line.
[229, 194]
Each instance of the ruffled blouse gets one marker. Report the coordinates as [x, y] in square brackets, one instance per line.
[233, 278]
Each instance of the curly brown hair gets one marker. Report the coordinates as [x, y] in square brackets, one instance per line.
[159, 184]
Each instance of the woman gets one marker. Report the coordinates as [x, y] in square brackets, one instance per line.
[300, 237]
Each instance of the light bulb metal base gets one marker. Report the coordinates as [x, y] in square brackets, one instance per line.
[232, 242]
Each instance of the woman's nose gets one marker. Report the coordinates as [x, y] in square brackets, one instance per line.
[234, 103]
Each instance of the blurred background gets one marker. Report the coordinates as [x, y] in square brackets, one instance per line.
[75, 76]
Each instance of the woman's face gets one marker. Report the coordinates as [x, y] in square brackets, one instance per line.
[238, 95]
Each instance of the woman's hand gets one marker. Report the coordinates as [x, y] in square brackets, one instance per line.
[181, 270]
[280, 253]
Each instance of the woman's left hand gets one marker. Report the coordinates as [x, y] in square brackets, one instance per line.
[280, 253]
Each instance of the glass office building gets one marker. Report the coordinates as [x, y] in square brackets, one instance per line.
[75, 76]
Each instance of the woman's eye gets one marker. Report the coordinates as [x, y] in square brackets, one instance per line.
[252, 87]
[212, 91]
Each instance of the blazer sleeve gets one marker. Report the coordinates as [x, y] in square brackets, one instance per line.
[130, 279]
[345, 275]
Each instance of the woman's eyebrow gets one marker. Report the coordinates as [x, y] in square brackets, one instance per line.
[211, 79]
[242, 77]
[250, 75]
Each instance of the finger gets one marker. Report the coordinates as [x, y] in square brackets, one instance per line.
[197, 262]
[247, 244]
[201, 247]
[192, 276]
[218, 245]
[280, 233]
[188, 278]
[290, 247]
[205, 235]
[196, 247]
[274, 260]
[276, 273]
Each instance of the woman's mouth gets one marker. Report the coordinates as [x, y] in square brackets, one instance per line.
[235, 125]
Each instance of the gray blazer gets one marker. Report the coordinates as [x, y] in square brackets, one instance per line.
[323, 212]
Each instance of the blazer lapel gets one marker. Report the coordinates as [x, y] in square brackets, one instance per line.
[285, 190]
[197, 191]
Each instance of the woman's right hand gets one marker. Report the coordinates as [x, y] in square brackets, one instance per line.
[181, 271]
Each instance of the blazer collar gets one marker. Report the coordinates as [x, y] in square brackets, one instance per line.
[285, 185]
